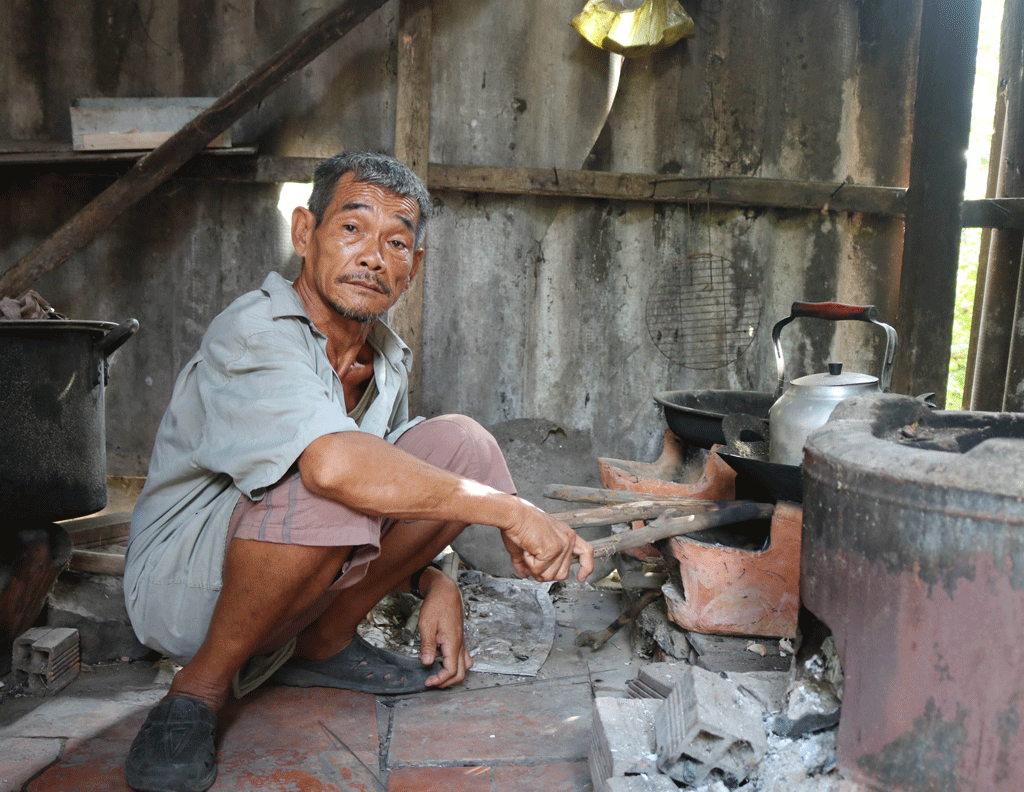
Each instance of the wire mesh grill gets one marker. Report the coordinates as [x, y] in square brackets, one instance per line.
[699, 316]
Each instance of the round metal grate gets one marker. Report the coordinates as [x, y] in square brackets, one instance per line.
[699, 315]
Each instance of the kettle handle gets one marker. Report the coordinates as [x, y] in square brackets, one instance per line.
[835, 312]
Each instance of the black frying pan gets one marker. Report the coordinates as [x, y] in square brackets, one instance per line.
[759, 480]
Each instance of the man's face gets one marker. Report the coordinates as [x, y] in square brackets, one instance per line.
[361, 257]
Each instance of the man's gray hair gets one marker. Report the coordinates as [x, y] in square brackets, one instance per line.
[372, 168]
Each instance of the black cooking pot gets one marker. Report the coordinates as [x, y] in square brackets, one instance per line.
[52, 428]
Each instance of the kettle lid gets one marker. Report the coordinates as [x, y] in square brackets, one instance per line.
[835, 377]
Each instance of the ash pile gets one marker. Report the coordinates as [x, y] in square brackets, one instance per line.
[727, 714]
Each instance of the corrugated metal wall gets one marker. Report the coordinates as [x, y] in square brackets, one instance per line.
[534, 307]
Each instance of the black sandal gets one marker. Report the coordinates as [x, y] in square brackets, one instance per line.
[175, 750]
[362, 667]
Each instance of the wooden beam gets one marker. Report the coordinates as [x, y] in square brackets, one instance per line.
[157, 166]
[412, 146]
[737, 191]
[650, 188]
[1004, 213]
[948, 50]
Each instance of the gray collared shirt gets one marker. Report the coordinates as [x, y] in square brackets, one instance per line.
[259, 390]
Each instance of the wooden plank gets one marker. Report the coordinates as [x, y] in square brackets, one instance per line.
[121, 141]
[157, 166]
[412, 146]
[737, 191]
[110, 563]
[101, 529]
[1004, 213]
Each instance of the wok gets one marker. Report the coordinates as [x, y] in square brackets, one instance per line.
[696, 416]
[765, 481]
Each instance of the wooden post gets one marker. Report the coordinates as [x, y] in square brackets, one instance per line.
[158, 165]
[412, 146]
[942, 123]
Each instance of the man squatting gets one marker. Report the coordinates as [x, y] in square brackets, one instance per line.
[289, 490]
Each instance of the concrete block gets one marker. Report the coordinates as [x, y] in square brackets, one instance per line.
[641, 783]
[705, 725]
[657, 680]
[46, 659]
[622, 741]
[94, 605]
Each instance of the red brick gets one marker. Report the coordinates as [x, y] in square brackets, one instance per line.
[543, 720]
[440, 779]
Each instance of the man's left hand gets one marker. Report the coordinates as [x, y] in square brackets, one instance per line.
[440, 625]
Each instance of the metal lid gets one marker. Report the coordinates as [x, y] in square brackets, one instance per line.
[829, 380]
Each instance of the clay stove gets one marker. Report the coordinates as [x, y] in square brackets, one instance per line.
[913, 555]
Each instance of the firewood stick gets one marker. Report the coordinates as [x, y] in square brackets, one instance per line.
[572, 494]
[672, 523]
[627, 512]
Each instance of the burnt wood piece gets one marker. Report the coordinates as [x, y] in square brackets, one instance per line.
[672, 523]
[30, 560]
[157, 166]
[595, 639]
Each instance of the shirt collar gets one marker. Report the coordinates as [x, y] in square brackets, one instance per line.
[285, 301]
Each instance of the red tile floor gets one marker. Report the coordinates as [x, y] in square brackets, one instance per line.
[493, 733]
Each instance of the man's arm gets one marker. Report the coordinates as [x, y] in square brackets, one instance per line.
[372, 476]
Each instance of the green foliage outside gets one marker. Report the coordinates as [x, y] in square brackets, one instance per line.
[985, 86]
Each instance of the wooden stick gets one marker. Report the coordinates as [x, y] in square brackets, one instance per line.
[596, 639]
[673, 524]
[571, 494]
[627, 512]
[157, 166]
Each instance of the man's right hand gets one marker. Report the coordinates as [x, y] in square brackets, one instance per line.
[543, 548]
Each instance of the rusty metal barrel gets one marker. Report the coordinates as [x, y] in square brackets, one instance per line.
[913, 555]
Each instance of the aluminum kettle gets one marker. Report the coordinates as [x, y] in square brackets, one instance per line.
[809, 401]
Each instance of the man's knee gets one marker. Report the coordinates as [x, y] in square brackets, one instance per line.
[461, 445]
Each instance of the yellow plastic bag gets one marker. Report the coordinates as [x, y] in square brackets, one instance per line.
[655, 25]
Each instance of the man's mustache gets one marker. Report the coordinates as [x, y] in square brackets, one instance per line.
[376, 280]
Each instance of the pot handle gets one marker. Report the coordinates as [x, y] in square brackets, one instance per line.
[113, 340]
[835, 312]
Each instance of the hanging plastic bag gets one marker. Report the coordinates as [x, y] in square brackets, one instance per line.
[655, 25]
